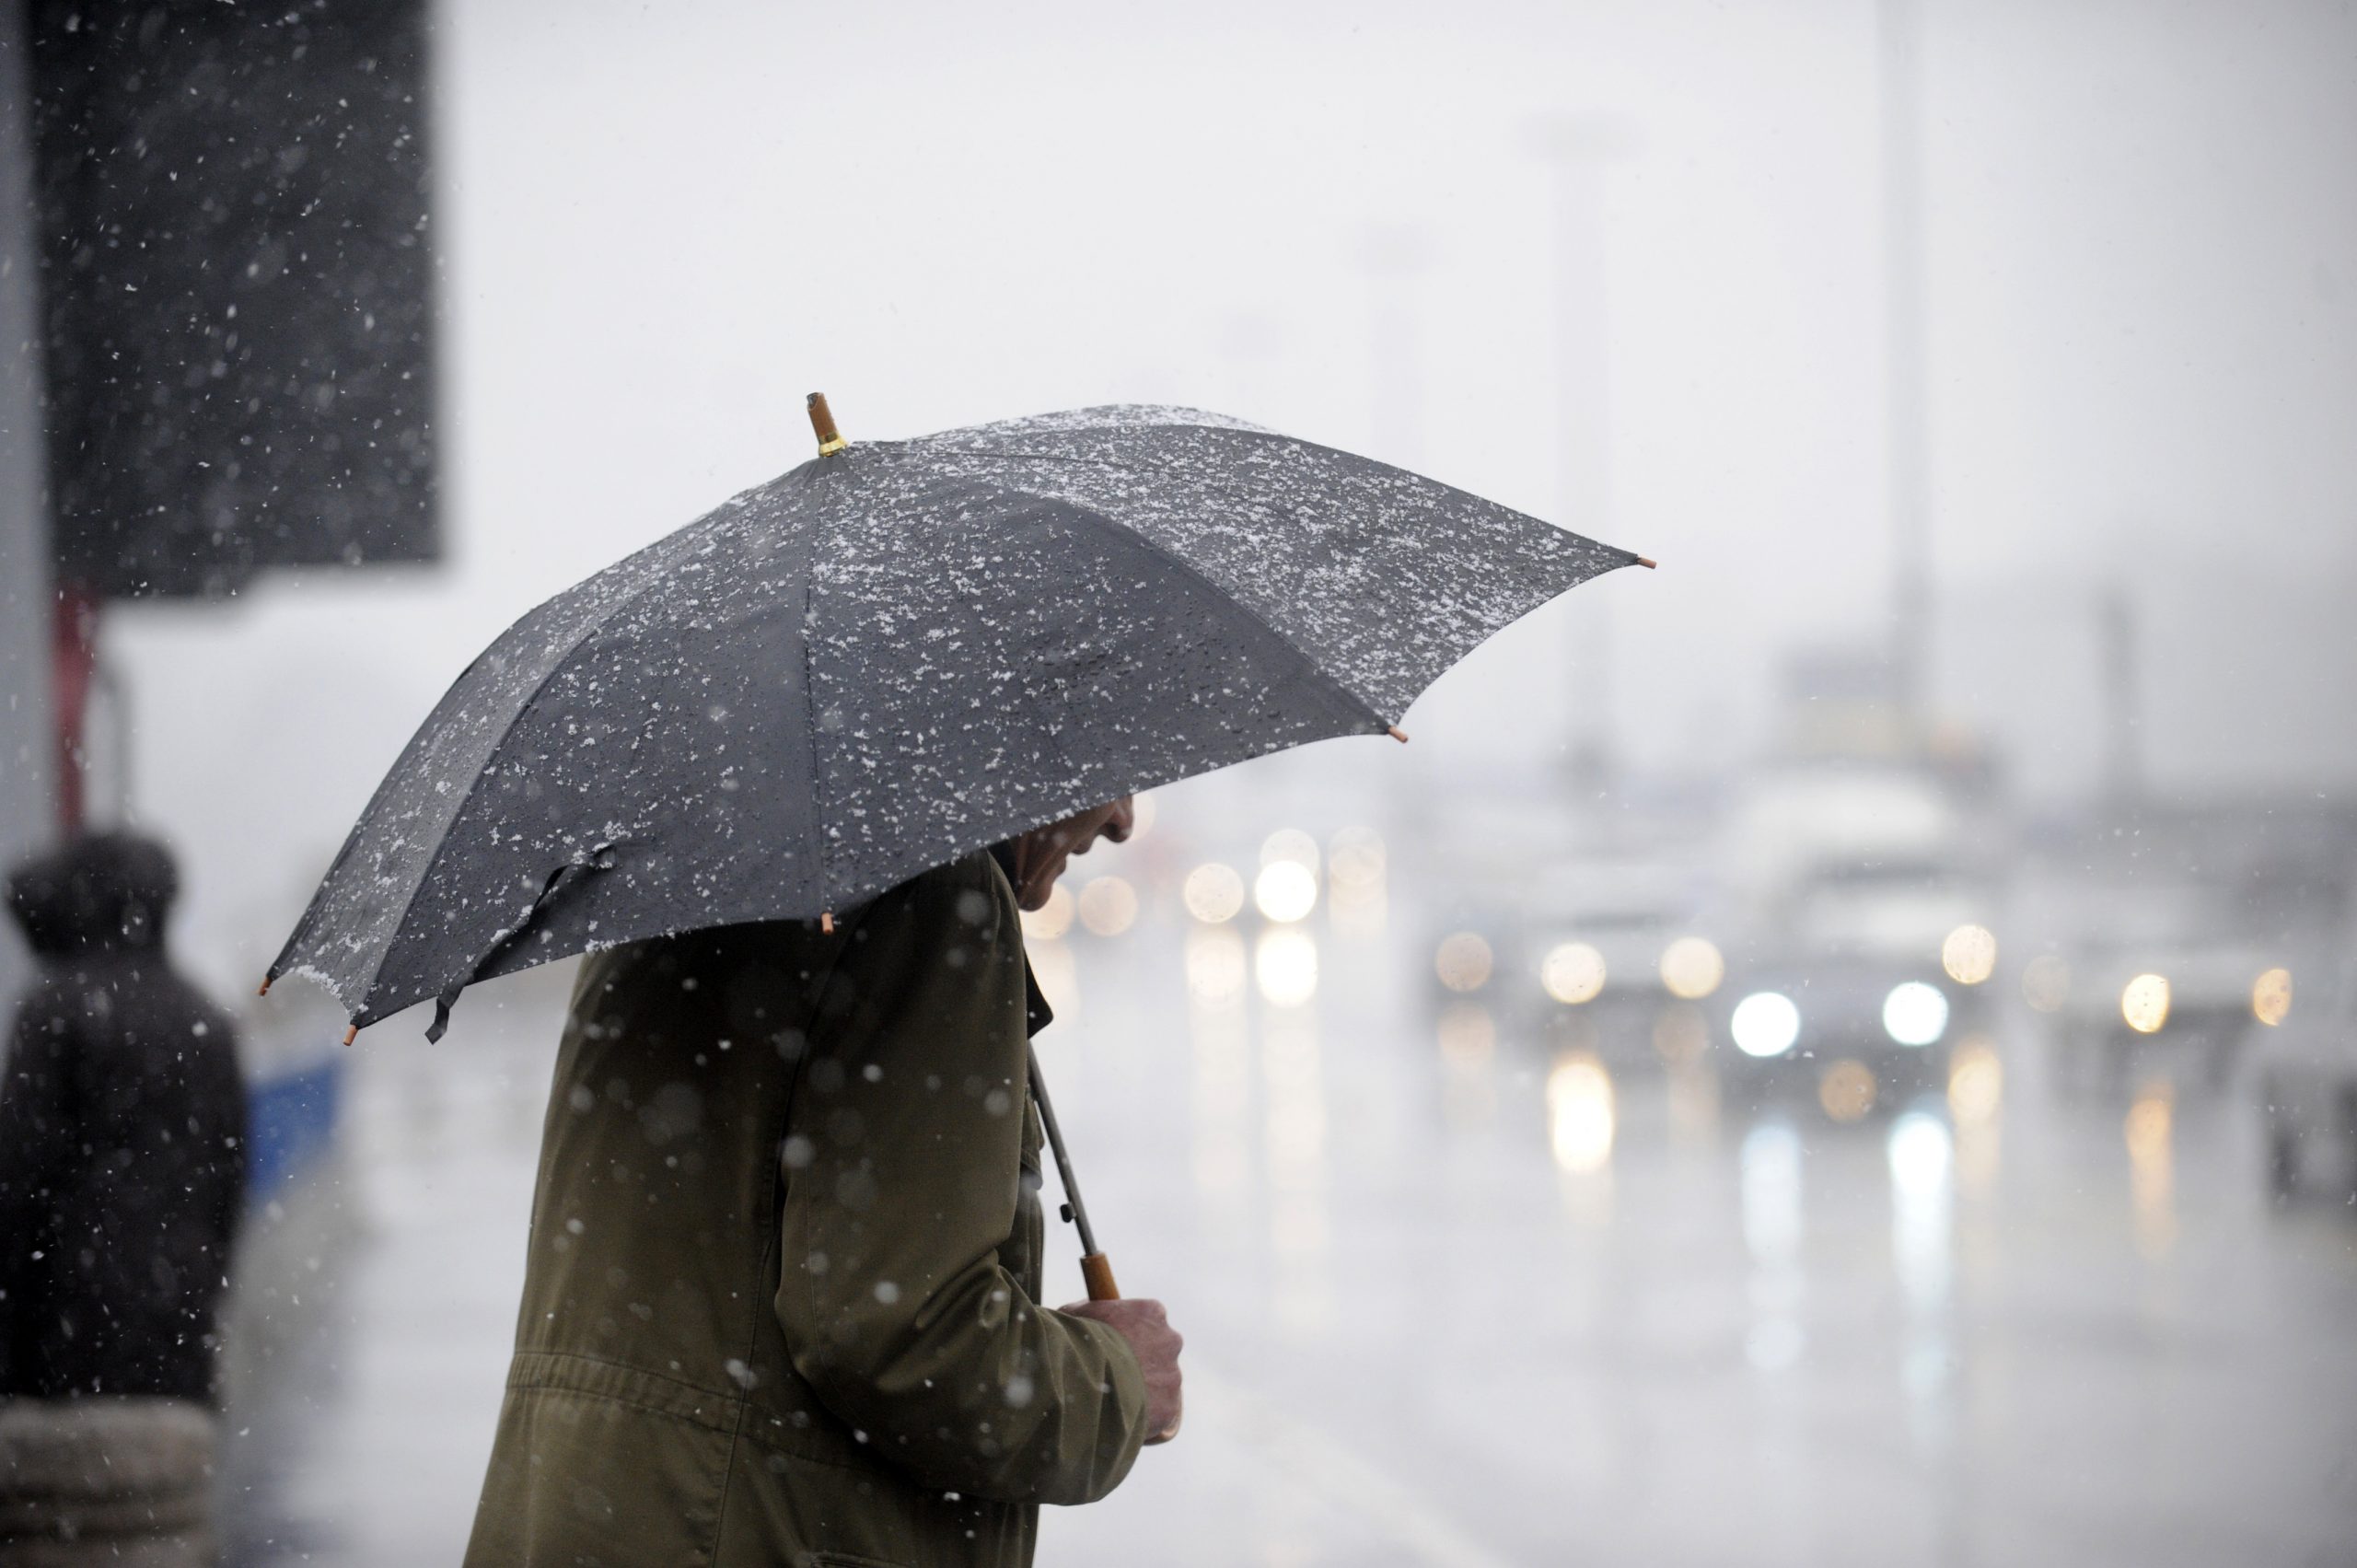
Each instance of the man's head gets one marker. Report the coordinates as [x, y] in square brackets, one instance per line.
[1039, 856]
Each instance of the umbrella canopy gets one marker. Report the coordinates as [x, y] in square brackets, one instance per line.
[898, 654]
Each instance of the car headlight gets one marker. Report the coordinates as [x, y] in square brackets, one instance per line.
[1765, 1023]
[1915, 1013]
[2144, 1002]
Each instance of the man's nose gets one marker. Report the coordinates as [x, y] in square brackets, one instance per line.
[1124, 817]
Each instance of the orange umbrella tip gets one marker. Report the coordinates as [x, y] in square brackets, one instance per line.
[351, 1034]
[827, 922]
[1396, 732]
[265, 987]
[1648, 565]
[822, 422]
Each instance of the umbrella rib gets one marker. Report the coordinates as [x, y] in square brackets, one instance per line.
[597, 624]
[1213, 483]
[1187, 568]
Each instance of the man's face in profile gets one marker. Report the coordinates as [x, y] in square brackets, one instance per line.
[1040, 854]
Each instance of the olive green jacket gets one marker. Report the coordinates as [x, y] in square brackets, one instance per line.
[782, 1302]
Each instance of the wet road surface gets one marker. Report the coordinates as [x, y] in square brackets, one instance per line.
[1450, 1299]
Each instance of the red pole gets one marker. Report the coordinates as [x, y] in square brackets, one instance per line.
[74, 651]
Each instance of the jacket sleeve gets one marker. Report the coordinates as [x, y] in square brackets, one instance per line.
[37, 1140]
[36, 1093]
[903, 1159]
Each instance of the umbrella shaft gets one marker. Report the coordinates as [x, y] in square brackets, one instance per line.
[1063, 1161]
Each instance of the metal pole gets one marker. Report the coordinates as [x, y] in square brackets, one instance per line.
[1095, 1267]
[1905, 353]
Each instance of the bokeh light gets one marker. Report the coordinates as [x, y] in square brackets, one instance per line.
[2148, 1132]
[2144, 1002]
[1356, 858]
[1969, 954]
[1059, 977]
[1356, 872]
[1108, 906]
[1286, 890]
[1213, 892]
[1846, 1089]
[1467, 1036]
[2270, 996]
[1216, 967]
[1922, 1156]
[1976, 1081]
[1765, 1023]
[1681, 1033]
[1692, 968]
[1289, 846]
[1285, 964]
[1580, 1114]
[1572, 973]
[2046, 983]
[2148, 1124]
[1143, 814]
[1915, 1012]
[1463, 961]
[1050, 920]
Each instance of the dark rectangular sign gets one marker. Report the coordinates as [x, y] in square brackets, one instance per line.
[237, 284]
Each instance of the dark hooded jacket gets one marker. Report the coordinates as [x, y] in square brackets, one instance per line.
[123, 1139]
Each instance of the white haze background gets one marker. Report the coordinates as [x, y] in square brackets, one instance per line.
[659, 225]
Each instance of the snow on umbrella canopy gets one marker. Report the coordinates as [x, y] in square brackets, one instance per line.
[895, 655]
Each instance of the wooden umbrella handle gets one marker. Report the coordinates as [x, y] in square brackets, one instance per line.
[1098, 1270]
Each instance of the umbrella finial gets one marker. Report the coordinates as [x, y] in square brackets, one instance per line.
[830, 440]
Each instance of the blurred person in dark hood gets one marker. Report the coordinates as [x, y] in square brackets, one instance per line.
[123, 1140]
[122, 1154]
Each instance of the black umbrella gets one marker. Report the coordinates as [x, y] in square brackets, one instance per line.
[893, 656]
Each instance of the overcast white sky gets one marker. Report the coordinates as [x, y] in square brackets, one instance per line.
[662, 224]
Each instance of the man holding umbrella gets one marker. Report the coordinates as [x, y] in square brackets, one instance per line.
[782, 1303]
[787, 774]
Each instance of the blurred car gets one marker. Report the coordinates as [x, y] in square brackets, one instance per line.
[1610, 943]
[2167, 990]
[1865, 978]
[2304, 1063]
[1584, 957]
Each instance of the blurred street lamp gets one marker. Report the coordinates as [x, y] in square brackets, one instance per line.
[1969, 954]
[1572, 973]
[2270, 996]
[1213, 893]
[1692, 969]
[1577, 149]
[1462, 962]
